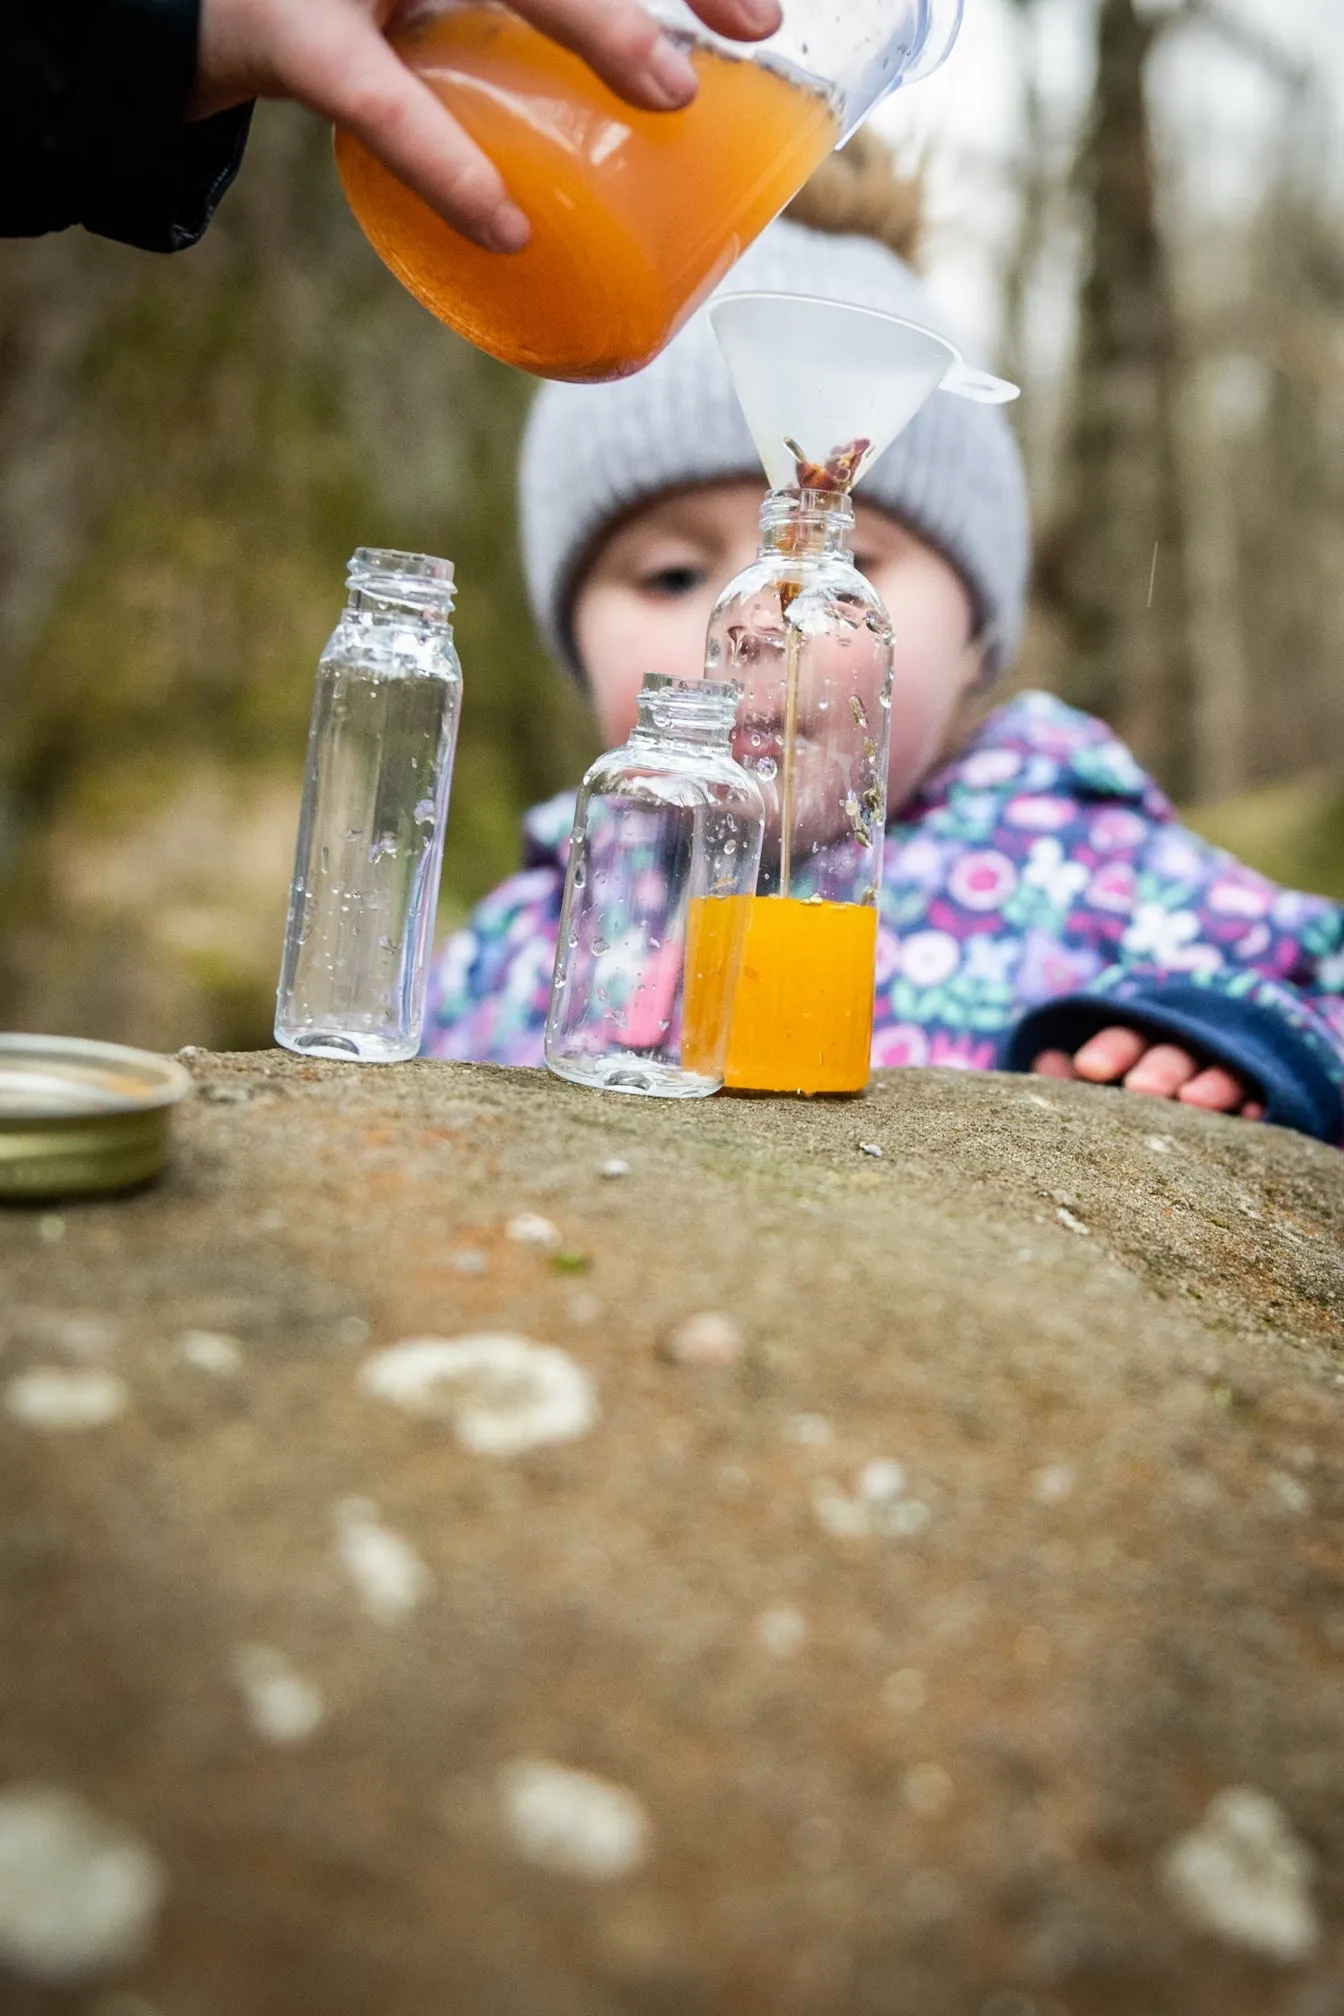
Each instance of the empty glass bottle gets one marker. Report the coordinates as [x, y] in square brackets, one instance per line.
[375, 802]
[664, 855]
[809, 640]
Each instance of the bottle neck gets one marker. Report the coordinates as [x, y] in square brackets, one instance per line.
[807, 524]
[400, 587]
[694, 713]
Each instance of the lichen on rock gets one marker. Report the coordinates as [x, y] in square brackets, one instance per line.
[1244, 1876]
[503, 1394]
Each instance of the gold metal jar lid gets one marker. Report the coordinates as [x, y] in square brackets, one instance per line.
[78, 1119]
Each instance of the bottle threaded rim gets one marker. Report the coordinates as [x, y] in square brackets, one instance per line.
[420, 582]
[700, 706]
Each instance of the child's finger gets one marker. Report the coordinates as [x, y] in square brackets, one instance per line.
[1054, 1064]
[1109, 1054]
[1216, 1090]
[1161, 1071]
[1253, 1110]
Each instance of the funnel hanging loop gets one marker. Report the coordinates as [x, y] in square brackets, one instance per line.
[981, 386]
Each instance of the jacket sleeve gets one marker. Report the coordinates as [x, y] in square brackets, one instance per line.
[491, 982]
[94, 132]
[1218, 960]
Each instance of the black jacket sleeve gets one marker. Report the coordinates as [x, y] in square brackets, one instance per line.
[93, 131]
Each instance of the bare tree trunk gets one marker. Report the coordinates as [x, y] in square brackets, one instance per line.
[1036, 188]
[1290, 491]
[1217, 643]
[1115, 564]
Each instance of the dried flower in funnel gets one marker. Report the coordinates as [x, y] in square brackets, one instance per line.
[835, 473]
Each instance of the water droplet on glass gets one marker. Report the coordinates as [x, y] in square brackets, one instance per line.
[383, 850]
[767, 767]
[424, 812]
[600, 946]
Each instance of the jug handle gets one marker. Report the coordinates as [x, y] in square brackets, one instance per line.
[982, 386]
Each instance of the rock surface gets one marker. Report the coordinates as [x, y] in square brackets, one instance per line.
[883, 1668]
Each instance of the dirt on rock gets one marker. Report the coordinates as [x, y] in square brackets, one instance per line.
[401, 1619]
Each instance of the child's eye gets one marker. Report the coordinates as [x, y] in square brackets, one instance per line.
[670, 582]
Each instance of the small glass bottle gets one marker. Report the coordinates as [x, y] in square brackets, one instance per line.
[662, 862]
[810, 642]
[375, 802]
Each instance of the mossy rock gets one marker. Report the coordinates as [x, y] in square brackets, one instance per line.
[965, 1637]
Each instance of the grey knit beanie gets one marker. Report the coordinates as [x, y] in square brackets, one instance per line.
[593, 453]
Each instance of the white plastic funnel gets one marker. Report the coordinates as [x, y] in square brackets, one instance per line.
[825, 373]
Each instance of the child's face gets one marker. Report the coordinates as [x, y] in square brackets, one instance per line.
[645, 602]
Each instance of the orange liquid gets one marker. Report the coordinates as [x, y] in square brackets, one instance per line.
[802, 1011]
[635, 215]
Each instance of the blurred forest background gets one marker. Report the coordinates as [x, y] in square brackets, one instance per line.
[190, 449]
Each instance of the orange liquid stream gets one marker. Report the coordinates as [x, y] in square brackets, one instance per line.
[802, 1010]
[635, 215]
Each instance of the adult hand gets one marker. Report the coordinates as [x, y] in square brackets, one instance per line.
[331, 56]
[1161, 1070]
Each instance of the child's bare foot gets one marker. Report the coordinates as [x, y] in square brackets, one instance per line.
[1122, 1056]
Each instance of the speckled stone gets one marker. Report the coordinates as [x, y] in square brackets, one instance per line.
[902, 1648]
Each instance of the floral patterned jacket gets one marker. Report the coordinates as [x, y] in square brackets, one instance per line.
[1035, 890]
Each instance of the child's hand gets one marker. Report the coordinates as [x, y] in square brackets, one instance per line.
[1162, 1070]
[331, 56]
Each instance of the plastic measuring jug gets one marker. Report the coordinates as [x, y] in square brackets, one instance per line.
[635, 215]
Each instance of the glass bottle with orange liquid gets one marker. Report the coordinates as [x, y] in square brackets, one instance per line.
[808, 639]
[636, 216]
